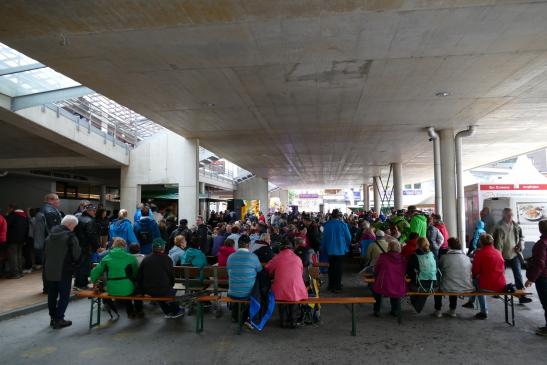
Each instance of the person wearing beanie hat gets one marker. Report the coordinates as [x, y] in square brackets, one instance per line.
[156, 278]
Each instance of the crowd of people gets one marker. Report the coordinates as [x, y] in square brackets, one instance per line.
[407, 250]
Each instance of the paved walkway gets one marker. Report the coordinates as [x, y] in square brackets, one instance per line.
[421, 338]
[20, 293]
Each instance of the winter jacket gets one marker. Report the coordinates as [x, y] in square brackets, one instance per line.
[314, 236]
[336, 238]
[479, 231]
[204, 242]
[403, 226]
[17, 227]
[263, 251]
[435, 238]
[489, 269]
[418, 224]
[287, 271]
[455, 269]
[61, 254]
[442, 228]
[138, 215]
[195, 258]
[414, 267]
[390, 275]
[180, 231]
[88, 233]
[102, 225]
[261, 301]
[121, 270]
[3, 229]
[47, 218]
[124, 229]
[177, 255]
[218, 242]
[223, 253]
[375, 249]
[366, 239]
[508, 251]
[410, 248]
[146, 230]
[242, 269]
[305, 254]
[537, 264]
[156, 275]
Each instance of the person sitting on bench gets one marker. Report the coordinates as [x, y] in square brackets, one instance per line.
[177, 252]
[488, 272]
[455, 268]
[390, 278]
[194, 256]
[120, 268]
[225, 251]
[422, 270]
[288, 283]
[243, 267]
[156, 278]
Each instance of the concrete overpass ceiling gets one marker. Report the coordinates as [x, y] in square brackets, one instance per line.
[308, 93]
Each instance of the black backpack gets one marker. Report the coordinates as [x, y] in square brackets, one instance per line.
[144, 236]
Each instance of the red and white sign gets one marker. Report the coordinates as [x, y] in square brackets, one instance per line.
[513, 187]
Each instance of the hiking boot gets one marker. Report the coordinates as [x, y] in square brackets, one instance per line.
[51, 322]
[525, 300]
[542, 331]
[469, 305]
[179, 313]
[61, 323]
[481, 316]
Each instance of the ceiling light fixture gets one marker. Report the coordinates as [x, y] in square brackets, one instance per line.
[211, 104]
[442, 94]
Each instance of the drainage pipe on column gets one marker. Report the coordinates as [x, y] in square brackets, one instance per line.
[459, 183]
[436, 169]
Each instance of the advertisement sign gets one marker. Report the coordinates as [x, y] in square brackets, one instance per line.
[412, 192]
[528, 215]
[308, 196]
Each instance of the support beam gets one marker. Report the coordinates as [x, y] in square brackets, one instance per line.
[459, 185]
[26, 101]
[397, 185]
[448, 178]
[19, 69]
[376, 187]
[254, 189]
[433, 136]
[48, 162]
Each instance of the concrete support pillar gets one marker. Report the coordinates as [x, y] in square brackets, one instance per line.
[254, 189]
[448, 179]
[284, 198]
[166, 158]
[103, 195]
[397, 185]
[376, 187]
[366, 197]
[202, 203]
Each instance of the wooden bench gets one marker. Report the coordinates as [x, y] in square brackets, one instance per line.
[323, 300]
[508, 298]
[97, 298]
[196, 279]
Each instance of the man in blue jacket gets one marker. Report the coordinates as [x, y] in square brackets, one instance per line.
[336, 241]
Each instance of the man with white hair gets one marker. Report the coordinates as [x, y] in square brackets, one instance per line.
[62, 252]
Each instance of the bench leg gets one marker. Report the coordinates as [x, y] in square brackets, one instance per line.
[512, 311]
[98, 322]
[353, 321]
[199, 318]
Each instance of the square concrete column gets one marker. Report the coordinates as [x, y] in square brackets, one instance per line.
[366, 197]
[165, 158]
[448, 179]
[255, 188]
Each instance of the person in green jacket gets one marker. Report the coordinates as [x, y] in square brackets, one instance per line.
[120, 269]
[402, 225]
[418, 221]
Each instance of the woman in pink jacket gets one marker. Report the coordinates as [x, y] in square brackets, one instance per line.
[288, 283]
[390, 280]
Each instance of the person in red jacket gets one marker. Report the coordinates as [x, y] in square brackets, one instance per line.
[225, 251]
[3, 229]
[488, 271]
[410, 247]
[537, 272]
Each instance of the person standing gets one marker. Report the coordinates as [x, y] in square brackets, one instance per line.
[88, 237]
[537, 272]
[488, 219]
[16, 237]
[61, 256]
[146, 230]
[336, 241]
[509, 240]
[48, 217]
[203, 235]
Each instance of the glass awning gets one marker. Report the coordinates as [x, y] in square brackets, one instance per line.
[21, 75]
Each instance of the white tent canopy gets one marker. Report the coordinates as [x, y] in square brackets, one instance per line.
[523, 172]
